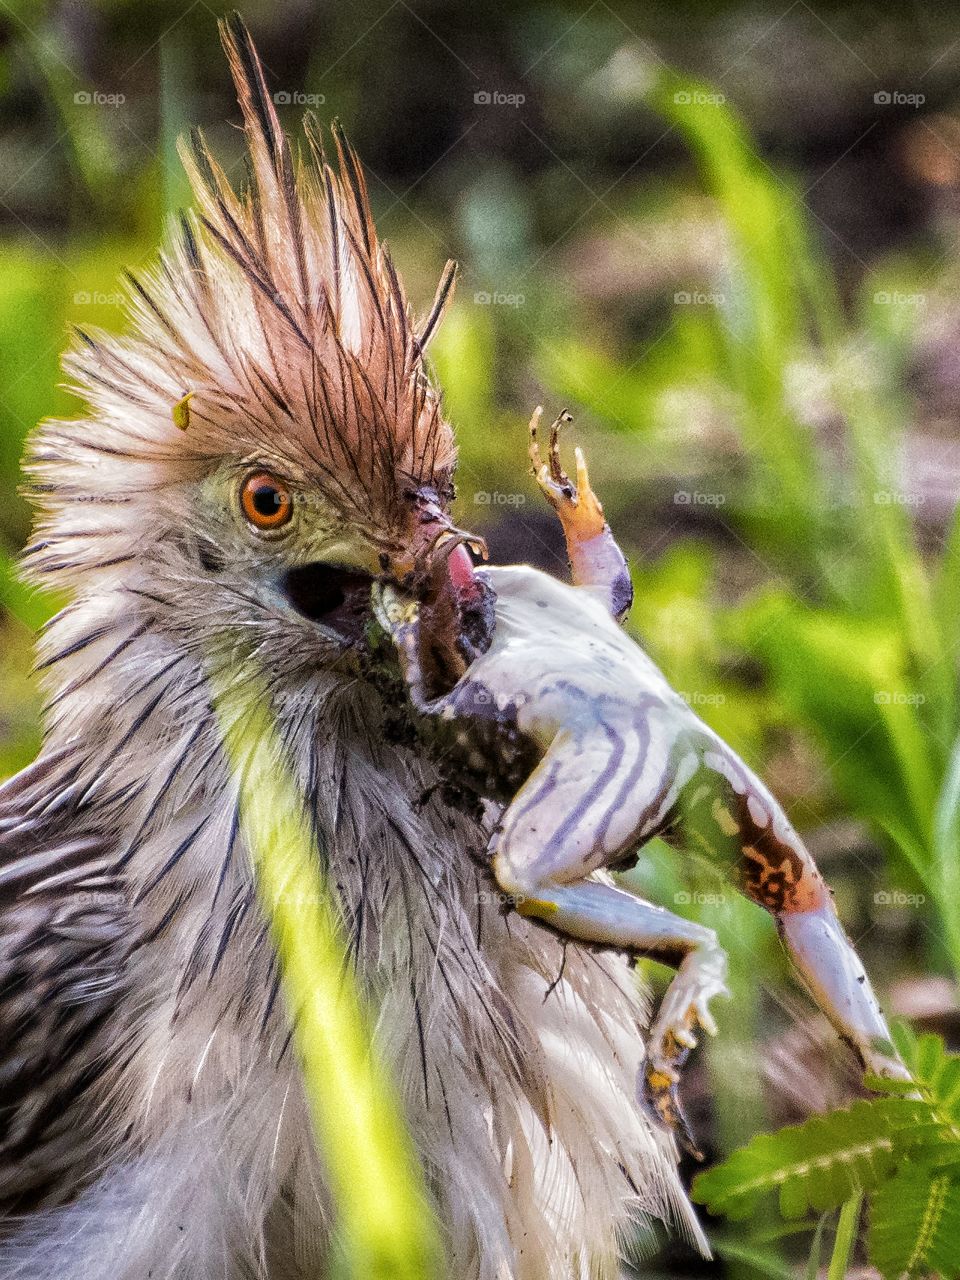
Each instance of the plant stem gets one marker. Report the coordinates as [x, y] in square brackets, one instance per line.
[846, 1238]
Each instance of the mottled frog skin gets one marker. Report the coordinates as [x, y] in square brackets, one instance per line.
[619, 757]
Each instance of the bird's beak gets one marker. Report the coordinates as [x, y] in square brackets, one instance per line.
[435, 574]
[435, 555]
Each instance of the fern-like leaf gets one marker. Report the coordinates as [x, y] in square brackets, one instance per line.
[819, 1164]
[915, 1225]
[937, 1072]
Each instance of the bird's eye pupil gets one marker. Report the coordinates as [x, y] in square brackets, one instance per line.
[267, 501]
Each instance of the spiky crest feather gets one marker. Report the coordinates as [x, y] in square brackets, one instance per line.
[279, 309]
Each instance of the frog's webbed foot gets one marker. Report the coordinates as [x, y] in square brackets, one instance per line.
[686, 1006]
[595, 559]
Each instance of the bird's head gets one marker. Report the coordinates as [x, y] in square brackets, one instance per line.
[266, 441]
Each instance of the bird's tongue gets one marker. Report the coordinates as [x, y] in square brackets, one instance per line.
[463, 579]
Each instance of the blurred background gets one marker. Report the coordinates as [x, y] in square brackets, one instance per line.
[727, 238]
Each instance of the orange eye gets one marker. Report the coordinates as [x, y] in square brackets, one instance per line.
[266, 501]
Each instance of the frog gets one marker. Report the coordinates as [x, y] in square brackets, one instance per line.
[614, 757]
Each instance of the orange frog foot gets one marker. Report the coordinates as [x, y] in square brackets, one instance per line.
[577, 505]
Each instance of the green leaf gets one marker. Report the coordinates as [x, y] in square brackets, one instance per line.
[820, 1164]
[915, 1225]
[754, 1258]
[848, 678]
[946, 845]
[937, 1072]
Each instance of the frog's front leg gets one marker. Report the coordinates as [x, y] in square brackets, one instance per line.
[596, 562]
[588, 798]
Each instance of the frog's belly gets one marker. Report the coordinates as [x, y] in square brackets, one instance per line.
[546, 629]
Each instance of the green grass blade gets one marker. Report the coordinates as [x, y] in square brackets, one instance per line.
[845, 1239]
[386, 1228]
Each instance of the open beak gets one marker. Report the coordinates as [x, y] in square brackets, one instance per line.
[435, 573]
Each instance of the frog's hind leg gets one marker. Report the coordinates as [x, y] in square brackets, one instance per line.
[596, 562]
[589, 801]
[741, 819]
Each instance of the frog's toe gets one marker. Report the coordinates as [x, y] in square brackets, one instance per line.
[659, 1096]
[536, 460]
[557, 473]
[687, 1038]
[705, 1017]
[663, 1071]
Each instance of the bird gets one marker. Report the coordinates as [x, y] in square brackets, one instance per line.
[265, 441]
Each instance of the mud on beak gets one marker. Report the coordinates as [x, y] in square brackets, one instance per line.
[433, 585]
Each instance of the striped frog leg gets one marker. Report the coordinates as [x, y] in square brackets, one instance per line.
[594, 798]
[727, 812]
[596, 561]
[597, 796]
